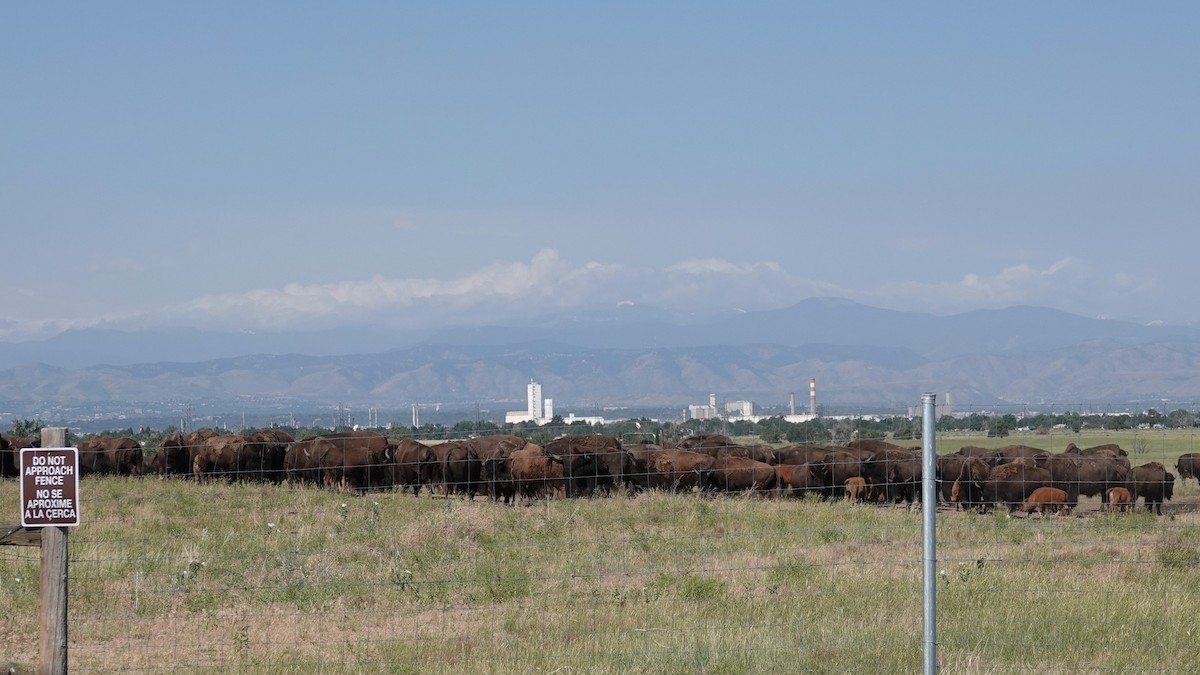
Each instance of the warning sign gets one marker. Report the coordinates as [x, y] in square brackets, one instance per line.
[49, 487]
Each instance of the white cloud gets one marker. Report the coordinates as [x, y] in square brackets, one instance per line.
[545, 279]
[511, 290]
[1067, 284]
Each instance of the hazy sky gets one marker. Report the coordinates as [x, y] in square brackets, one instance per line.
[280, 165]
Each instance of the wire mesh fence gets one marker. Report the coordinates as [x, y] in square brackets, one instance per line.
[608, 560]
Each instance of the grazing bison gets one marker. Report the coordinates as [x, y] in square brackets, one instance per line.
[534, 473]
[1046, 498]
[358, 461]
[1087, 475]
[989, 455]
[302, 461]
[874, 445]
[263, 454]
[106, 454]
[902, 470]
[796, 480]
[1188, 466]
[495, 473]
[1110, 450]
[414, 464]
[1152, 482]
[842, 463]
[590, 462]
[1011, 453]
[10, 455]
[1009, 484]
[705, 442]
[677, 470]
[968, 472]
[801, 454]
[1119, 499]
[460, 468]
[731, 473]
[217, 456]
[176, 452]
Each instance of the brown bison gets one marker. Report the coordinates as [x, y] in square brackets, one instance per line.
[1087, 475]
[10, 455]
[534, 473]
[414, 464]
[106, 454]
[962, 478]
[989, 455]
[460, 468]
[1010, 453]
[731, 473]
[1119, 499]
[1046, 498]
[176, 451]
[801, 454]
[856, 489]
[217, 456]
[842, 463]
[677, 470]
[1188, 466]
[1009, 484]
[263, 454]
[302, 461]
[590, 462]
[358, 461]
[796, 480]
[875, 445]
[902, 469]
[1152, 482]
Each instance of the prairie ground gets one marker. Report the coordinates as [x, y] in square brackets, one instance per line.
[167, 575]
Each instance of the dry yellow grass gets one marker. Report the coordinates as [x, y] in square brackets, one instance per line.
[168, 575]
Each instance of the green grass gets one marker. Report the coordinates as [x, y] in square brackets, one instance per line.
[168, 575]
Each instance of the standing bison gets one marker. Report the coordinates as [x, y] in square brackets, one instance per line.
[730, 473]
[534, 473]
[1152, 482]
[1045, 498]
[359, 461]
[105, 454]
[1188, 466]
[1009, 484]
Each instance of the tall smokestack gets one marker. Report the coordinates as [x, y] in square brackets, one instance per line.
[792, 403]
[812, 396]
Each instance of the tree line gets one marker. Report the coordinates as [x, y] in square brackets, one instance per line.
[773, 430]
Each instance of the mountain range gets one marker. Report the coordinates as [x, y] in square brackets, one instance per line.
[632, 356]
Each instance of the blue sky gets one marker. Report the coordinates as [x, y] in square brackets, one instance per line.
[264, 166]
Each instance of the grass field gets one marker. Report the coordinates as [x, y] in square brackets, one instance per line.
[170, 576]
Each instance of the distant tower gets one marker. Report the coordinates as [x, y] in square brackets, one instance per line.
[812, 396]
[792, 403]
[534, 392]
[712, 401]
[549, 408]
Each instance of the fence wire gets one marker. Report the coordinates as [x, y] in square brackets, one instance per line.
[243, 571]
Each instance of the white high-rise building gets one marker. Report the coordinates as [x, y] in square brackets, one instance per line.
[534, 407]
[549, 409]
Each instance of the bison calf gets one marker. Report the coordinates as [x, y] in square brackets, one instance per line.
[856, 489]
[1119, 499]
[1046, 498]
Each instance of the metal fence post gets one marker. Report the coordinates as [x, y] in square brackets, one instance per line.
[928, 512]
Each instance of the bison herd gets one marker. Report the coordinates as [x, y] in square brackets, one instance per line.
[508, 468]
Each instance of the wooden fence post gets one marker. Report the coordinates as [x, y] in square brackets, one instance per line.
[52, 616]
